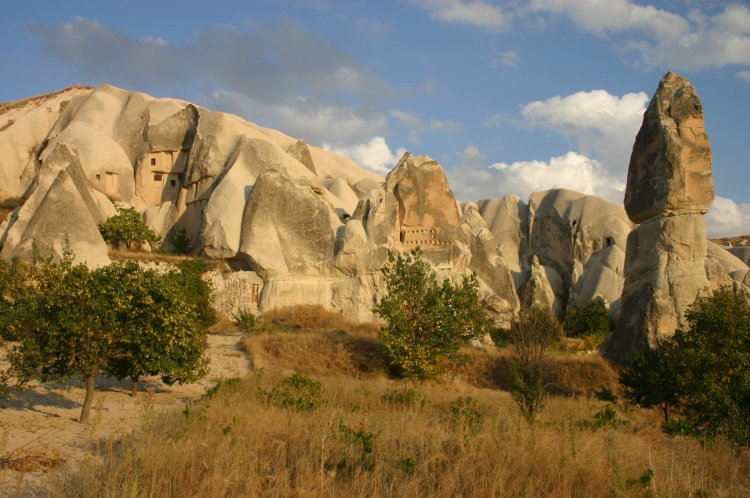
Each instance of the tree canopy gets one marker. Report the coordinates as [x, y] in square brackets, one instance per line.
[427, 320]
[119, 320]
[127, 227]
[702, 373]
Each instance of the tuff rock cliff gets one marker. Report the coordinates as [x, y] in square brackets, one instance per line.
[297, 224]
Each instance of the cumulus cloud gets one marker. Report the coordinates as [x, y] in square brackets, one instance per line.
[602, 125]
[375, 155]
[726, 218]
[695, 41]
[417, 125]
[572, 171]
[273, 69]
[744, 75]
[477, 13]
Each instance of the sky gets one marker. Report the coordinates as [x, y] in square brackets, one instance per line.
[509, 96]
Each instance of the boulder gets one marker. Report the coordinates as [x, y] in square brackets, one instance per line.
[287, 226]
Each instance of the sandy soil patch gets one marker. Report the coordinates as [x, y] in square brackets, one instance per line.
[47, 414]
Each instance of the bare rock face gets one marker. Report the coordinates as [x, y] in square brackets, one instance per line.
[670, 168]
[670, 186]
[288, 227]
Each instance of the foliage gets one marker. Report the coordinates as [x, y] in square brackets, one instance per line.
[427, 320]
[465, 413]
[158, 328]
[196, 290]
[703, 372]
[120, 320]
[405, 397]
[246, 320]
[589, 321]
[181, 242]
[298, 392]
[127, 227]
[531, 334]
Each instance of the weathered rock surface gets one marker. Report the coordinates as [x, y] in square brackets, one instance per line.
[670, 168]
[670, 186]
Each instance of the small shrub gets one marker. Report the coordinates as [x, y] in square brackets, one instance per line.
[464, 412]
[181, 242]
[405, 397]
[298, 392]
[589, 322]
[246, 321]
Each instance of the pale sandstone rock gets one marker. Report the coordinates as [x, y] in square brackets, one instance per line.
[24, 125]
[670, 168]
[670, 186]
[287, 227]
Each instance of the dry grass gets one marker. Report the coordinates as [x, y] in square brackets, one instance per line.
[374, 436]
[122, 255]
[312, 317]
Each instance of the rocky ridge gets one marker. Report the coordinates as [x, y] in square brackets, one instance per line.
[297, 224]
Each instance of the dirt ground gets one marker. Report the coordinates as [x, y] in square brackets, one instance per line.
[45, 415]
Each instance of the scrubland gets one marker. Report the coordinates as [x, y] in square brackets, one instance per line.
[320, 416]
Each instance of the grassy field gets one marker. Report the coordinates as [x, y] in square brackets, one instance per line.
[319, 416]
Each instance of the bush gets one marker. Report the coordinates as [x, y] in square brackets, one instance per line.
[427, 321]
[298, 392]
[181, 242]
[531, 334]
[702, 373]
[245, 320]
[127, 227]
[589, 322]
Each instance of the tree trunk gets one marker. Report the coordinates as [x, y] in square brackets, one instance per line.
[86, 410]
[134, 392]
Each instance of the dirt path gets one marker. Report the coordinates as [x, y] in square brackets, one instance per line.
[47, 414]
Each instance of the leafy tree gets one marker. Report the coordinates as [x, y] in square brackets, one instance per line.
[127, 227]
[195, 289]
[531, 334]
[427, 320]
[72, 321]
[181, 241]
[703, 372]
[587, 320]
[159, 331]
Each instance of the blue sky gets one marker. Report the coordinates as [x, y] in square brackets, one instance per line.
[511, 97]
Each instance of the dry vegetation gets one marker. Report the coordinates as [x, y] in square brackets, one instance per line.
[364, 434]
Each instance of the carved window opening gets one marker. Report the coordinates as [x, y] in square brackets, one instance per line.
[173, 183]
[98, 178]
[153, 161]
[157, 177]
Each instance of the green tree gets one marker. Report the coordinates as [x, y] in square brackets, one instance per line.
[531, 334]
[703, 372]
[181, 242]
[587, 320]
[427, 320]
[159, 331]
[75, 322]
[127, 227]
[195, 289]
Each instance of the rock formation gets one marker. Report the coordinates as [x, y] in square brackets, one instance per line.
[296, 224]
[669, 188]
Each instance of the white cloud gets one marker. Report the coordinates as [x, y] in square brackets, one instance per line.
[744, 75]
[603, 126]
[375, 155]
[726, 218]
[572, 171]
[600, 17]
[508, 58]
[695, 41]
[417, 125]
[476, 13]
[300, 117]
